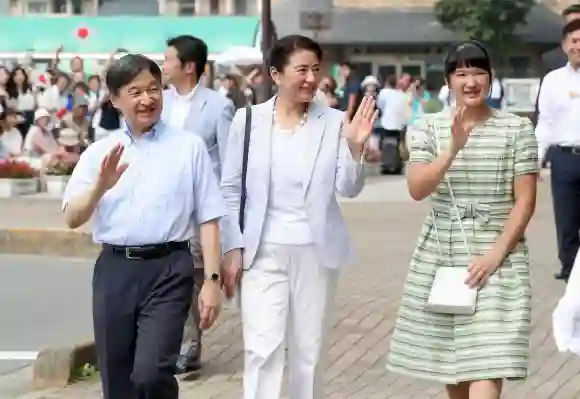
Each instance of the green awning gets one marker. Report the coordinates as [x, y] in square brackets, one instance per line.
[145, 35]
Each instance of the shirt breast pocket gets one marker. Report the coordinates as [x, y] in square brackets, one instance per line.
[170, 189]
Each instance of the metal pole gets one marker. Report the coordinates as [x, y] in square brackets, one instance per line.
[267, 36]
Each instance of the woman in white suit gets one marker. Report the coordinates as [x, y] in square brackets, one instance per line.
[301, 153]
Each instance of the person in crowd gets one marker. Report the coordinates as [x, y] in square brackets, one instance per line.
[41, 142]
[56, 97]
[479, 168]
[254, 87]
[349, 89]
[77, 66]
[144, 213]
[71, 140]
[327, 88]
[230, 88]
[4, 78]
[96, 93]
[558, 130]
[392, 104]
[569, 13]
[294, 237]
[370, 86]
[495, 98]
[203, 112]
[77, 119]
[11, 137]
[106, 120]
[20, 89]
[420, 96]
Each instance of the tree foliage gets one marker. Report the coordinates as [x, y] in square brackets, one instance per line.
[490, 21]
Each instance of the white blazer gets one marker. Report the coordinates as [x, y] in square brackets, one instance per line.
[331, 169]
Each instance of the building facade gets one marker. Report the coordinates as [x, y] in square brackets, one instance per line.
[130, 7]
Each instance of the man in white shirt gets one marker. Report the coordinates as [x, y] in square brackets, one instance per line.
[393, 104]
[496, 96]
[191, 106]
[558, 129]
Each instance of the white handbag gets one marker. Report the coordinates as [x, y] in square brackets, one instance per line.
[449, 294]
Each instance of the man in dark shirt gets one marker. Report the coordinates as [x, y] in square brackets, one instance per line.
[349, 89]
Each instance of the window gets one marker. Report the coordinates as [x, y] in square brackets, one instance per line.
[240, 7]
[214, 7]
[37, 7]
[186, 8]
[58, 6]
[77, 7]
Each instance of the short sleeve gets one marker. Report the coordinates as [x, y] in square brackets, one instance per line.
[208, 201]
[526, 150]
[83, 177]
[421, 142]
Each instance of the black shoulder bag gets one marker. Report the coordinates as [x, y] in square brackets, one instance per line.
[247, 132]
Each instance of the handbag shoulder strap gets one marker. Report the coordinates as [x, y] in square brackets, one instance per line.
[452, 195]
[243, 196]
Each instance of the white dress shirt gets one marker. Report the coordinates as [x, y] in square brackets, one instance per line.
[393, 105]
[286, 218]
[559, 110]
[181, 108]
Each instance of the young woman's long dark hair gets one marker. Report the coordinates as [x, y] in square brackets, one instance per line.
[12, 87]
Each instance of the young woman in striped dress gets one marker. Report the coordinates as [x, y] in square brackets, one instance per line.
[490, 158]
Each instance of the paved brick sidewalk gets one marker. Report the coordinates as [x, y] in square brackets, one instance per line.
[365, 312]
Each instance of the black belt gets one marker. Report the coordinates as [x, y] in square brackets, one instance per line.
[574, 149]
[152, 251]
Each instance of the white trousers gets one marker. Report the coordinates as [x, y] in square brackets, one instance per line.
[286, 298]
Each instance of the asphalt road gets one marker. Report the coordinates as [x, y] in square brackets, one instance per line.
[43, 302]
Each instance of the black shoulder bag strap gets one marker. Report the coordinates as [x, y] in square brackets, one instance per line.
[247, 132]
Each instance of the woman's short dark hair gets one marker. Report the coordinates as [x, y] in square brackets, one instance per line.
[470, 54]
[280, 53]
[123, 71]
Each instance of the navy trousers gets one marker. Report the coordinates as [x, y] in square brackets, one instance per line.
[565, 180]
[139, 310]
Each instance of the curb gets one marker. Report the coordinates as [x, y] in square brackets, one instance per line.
[53, 242]
[57, 367]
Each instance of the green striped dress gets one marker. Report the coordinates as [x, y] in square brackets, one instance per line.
[493, 343]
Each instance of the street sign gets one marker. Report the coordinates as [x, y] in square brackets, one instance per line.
[315, 20]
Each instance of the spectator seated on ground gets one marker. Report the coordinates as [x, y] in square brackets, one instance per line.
[41, 142]
[71, 140]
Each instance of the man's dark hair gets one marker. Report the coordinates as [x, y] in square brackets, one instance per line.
[190, 49]
[123, 71]
[347, 64]
[570, 27]
[392, 81]
[573, 9]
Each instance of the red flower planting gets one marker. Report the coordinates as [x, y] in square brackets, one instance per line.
[16, 170]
